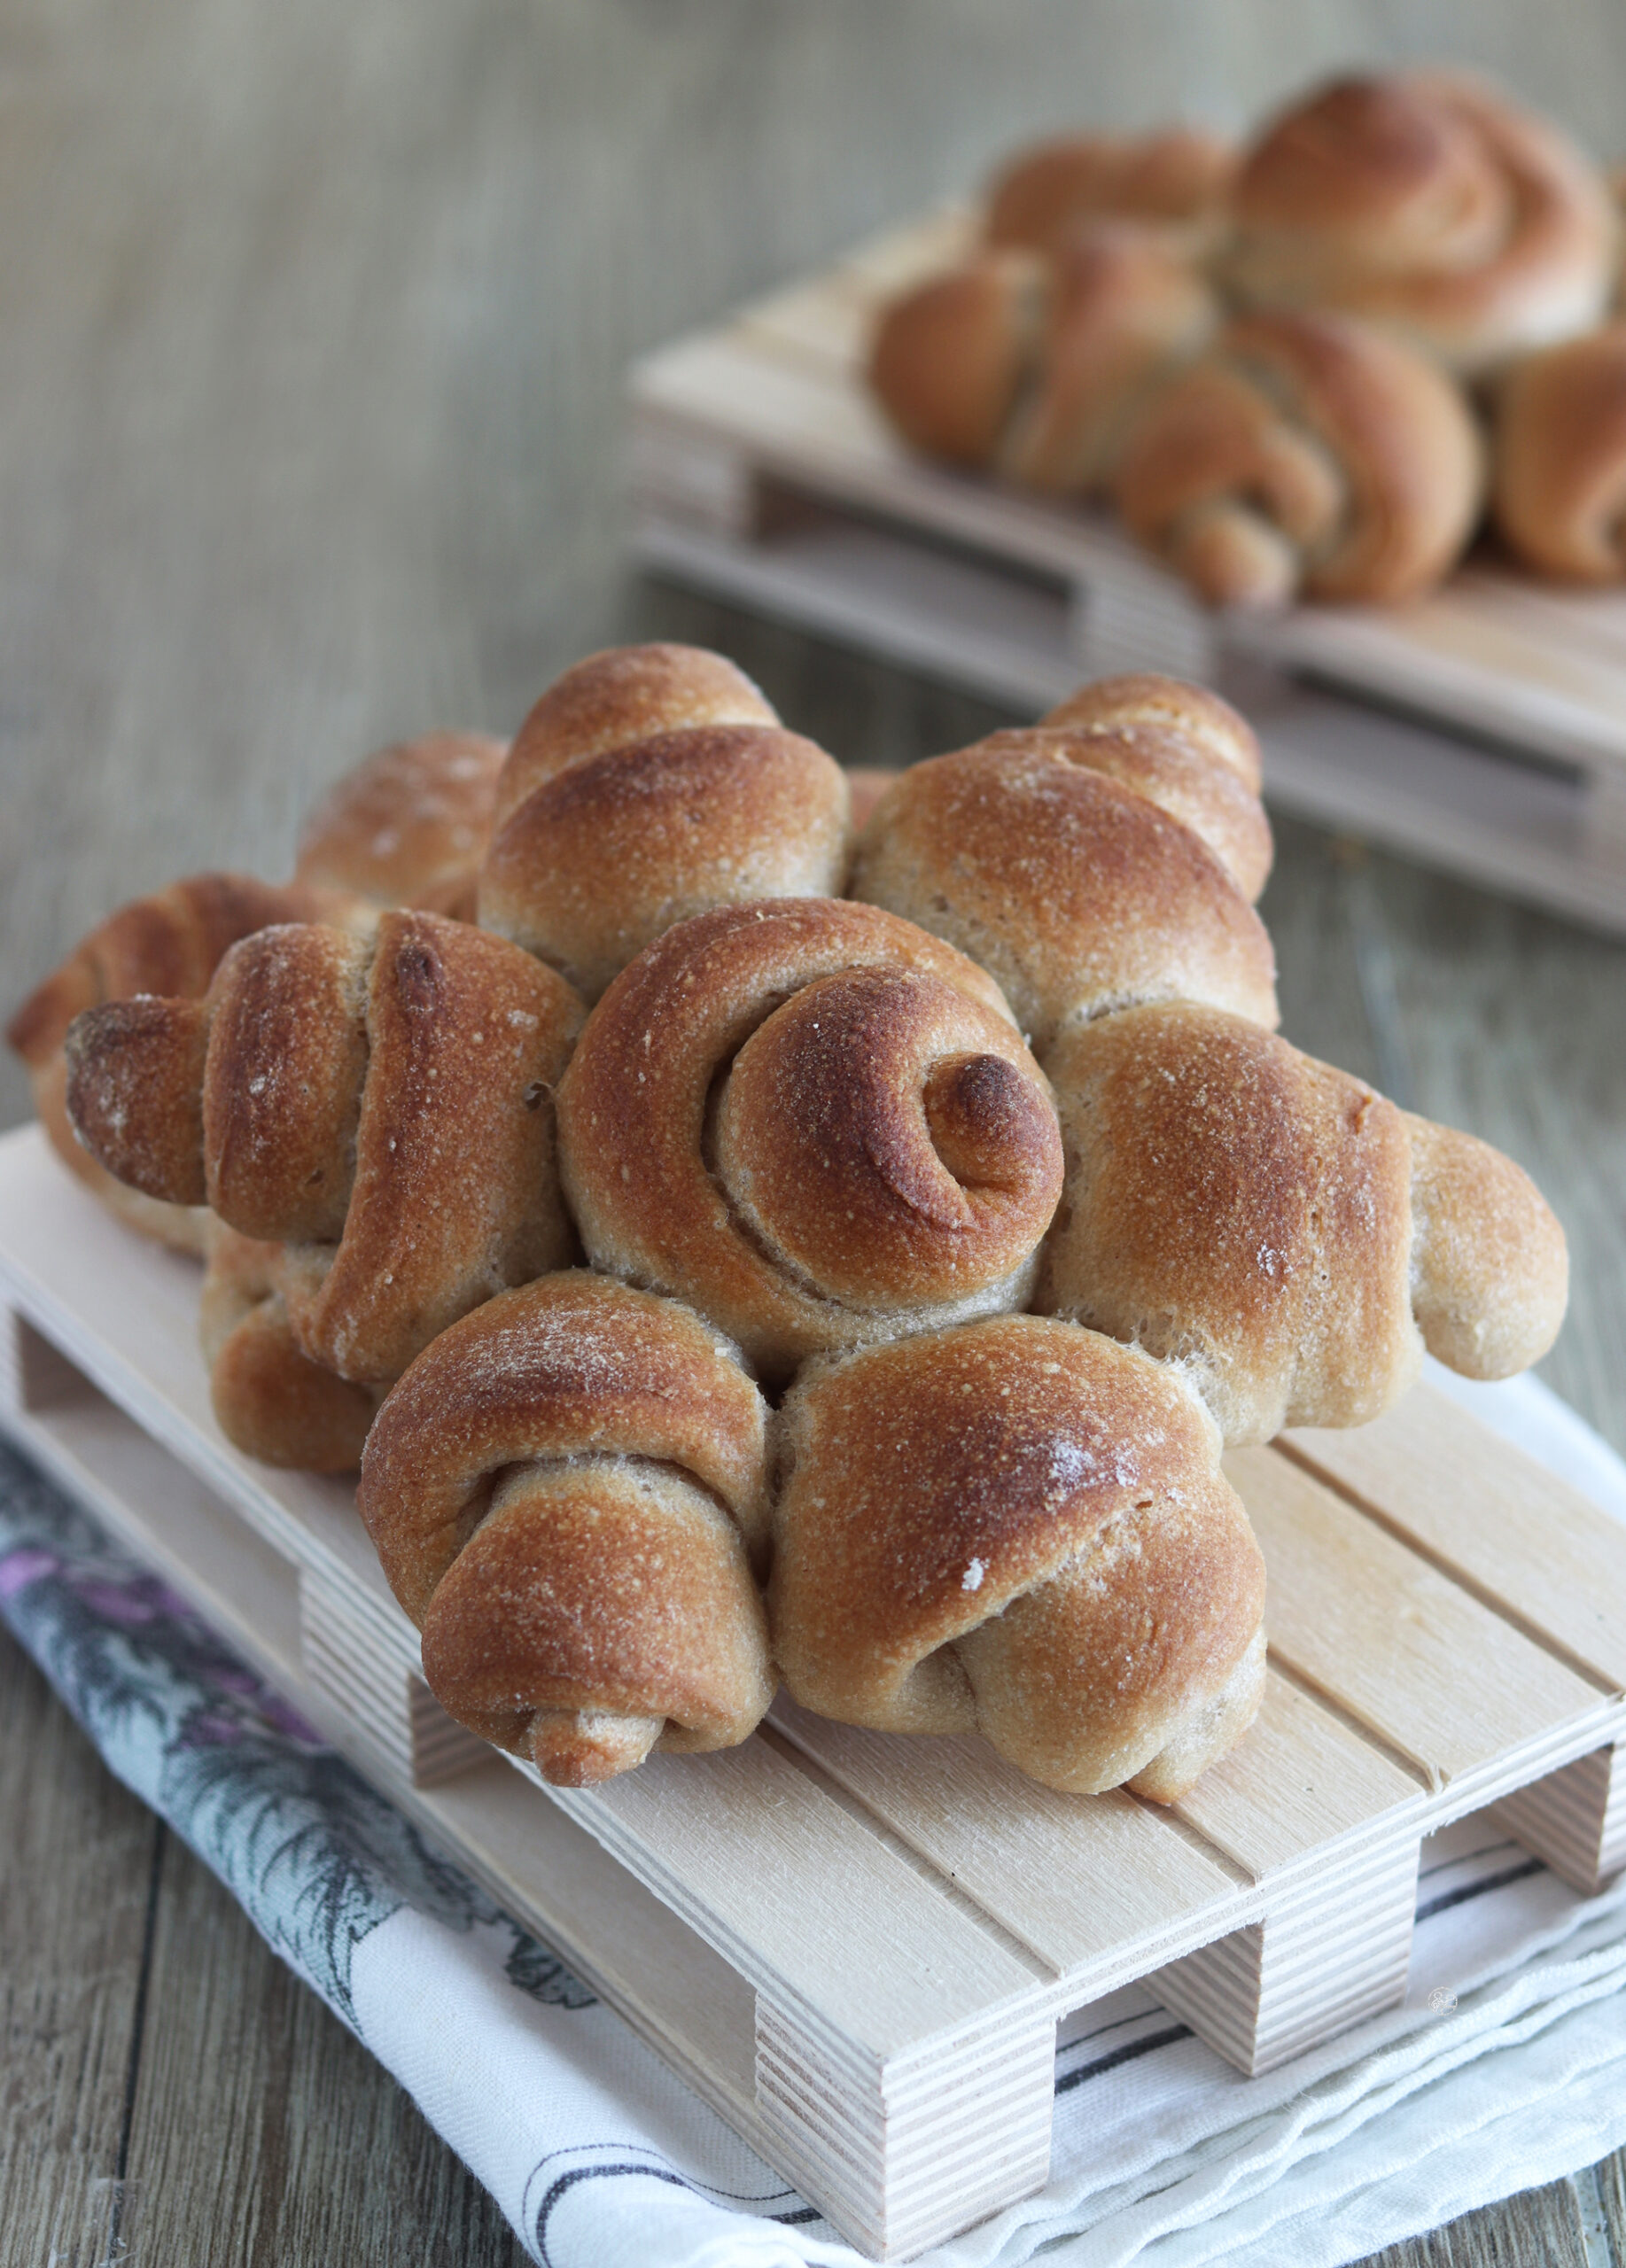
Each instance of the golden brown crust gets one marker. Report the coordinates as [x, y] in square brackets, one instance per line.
[617, 846]
[1142, 697]
[623, 693]
[813, 1122]
[1126, 308]
[271, 1401]
[134, 1079]
[1428, 203]
[170, 945]
[409, 825]
[456, 1191]
[1018, 1527]
[950, 356]
[1306, 453]
[386, 1107]
[1077, 893]
[564, 1489]
[1559, 459]
[1490, 1265]
[866, 785]
[1171, 771]
[1279, 1232]
[1043, 193]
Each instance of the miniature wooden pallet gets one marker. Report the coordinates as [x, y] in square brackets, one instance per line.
[761, 470]
[858, 1947]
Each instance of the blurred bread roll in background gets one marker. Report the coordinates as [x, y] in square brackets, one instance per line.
[1557, 478]
[1307, 455]
[1179, 175]
[1428, 202]
[409, 825]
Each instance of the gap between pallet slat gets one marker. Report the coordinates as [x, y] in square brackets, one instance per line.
[1464, 1578]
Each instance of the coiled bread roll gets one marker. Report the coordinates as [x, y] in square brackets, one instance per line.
[567, 1491]
[1074, 890]
[168, 944]
[1285, 1236]
[1429, 204]
[1019, 1529]
[1305, 453]
[411, 825]
[650, 783]
[1559, 459]
[379, 1106]
[813, 1123]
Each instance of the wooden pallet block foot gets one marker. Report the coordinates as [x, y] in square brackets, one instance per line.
[1328, 1958]
[33, 1375]
[1574, 1820]
[355, 1660]
[903, 2154]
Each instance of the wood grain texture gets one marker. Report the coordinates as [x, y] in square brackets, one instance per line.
[313, 324]
[77, 1889]
[1436, 1674]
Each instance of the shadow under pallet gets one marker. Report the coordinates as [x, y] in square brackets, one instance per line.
[858, 1947]
[1481, 728]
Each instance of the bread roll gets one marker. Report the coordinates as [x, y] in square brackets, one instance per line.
[1428, 203]
[814, 1124]
[1169, 767]
[1306, 455]
[642, 790]
[951, 356]
[269, 1399]
[1077, 892]
[1286, 1237]
[1126, 308]
[1559, 459]
[380, 1107]
[1040, 198]
[409, 825]
[566, 1490]
[1019, 1529]
[167, 944]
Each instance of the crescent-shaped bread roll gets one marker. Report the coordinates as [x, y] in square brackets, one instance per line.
[168, 944]
[650, 783]
[1285, 1236]
[1074, 890]
[567, 1491]
[1305, 453]
[1021, 1529]
[1126, 308]
[380, 1107]
[813, 1123]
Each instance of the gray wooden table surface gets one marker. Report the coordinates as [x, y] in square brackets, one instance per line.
[311, 320]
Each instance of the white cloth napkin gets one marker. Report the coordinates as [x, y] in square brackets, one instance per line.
[1506, 2067]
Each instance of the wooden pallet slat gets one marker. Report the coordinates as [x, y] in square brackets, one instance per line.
[857, 1948]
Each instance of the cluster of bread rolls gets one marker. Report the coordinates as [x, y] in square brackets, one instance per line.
[1301, 368]
[946, 1199]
